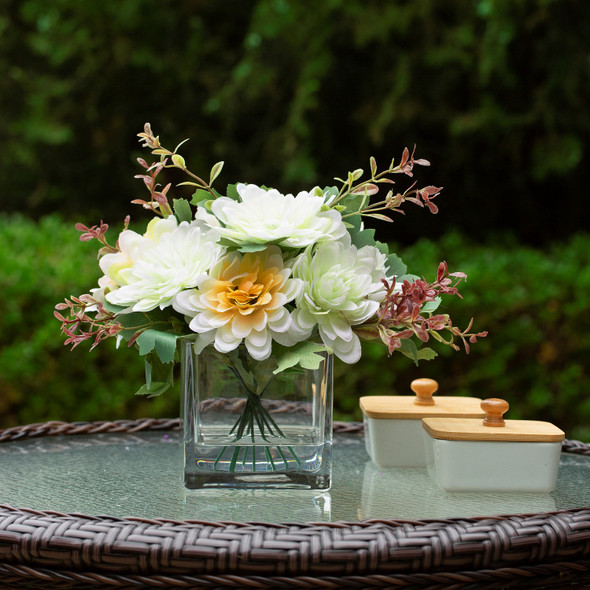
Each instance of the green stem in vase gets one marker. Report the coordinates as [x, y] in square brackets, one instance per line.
[234, 459]
[282, 456]
[294, 456]
[219, 457]
[269, 458]
[254, 415]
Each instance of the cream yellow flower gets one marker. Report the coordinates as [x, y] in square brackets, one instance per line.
[242, 299]
[150, 269]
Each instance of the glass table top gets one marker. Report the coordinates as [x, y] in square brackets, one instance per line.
[140, 475]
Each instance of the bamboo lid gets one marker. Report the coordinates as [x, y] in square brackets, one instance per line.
[408, 407]
[493, 427]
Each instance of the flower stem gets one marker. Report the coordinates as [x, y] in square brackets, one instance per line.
[254, 417]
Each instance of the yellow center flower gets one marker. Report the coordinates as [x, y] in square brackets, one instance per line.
[242, 298]
[243, 290]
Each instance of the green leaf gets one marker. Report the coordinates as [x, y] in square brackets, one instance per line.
[164, 344]
[113, 308]
[305, 354]
[131, 323]
[361, 237]
[407, 277]
[365, 237]
[215, 171]
[380, 217]
[252, 248]
[182, 210]
[352, 204]
[159, 377]
[373, 164]
[200, 196]
[227, 243]
[409, 349]
[431, 306]
[355, 175]
[427, 354]
[155, 389]
[232, 192]
[330, 191]
[395, 265]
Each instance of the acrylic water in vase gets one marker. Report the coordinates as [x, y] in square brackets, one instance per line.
[254, 292]
[245, 426]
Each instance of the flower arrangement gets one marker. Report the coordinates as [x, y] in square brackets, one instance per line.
[287, 276]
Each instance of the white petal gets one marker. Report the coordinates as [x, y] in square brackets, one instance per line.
[349, 352]
[279, 320]
[204, 340]
[225, 341]
[291, 337]
[241, 326]
[259, 339]
[303, 319]
[340, 327]
[196, 326]
[292, 289]
[183, 302]
[214, 319]
[259, 345]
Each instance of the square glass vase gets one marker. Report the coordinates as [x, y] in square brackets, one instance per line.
[245, 427]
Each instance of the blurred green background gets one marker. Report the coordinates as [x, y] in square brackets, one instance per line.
[494, 93]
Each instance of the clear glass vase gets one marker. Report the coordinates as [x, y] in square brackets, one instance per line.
[245, 427]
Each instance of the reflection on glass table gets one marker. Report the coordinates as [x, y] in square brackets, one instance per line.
[140, 475]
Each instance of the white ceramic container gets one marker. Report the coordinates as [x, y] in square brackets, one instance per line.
[493, 454]
[393, 423]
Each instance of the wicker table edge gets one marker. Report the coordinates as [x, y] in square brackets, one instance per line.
[139, 546]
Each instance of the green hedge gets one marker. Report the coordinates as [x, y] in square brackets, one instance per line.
[532, 302]
[40, 379]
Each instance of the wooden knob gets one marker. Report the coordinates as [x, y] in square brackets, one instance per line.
[424, 390]
[495, 409]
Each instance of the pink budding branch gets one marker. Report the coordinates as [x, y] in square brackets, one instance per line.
[97, 232]
[400, 315]
[80, 327]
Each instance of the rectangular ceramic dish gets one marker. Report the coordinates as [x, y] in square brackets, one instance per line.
[393, 424]
[474, 455]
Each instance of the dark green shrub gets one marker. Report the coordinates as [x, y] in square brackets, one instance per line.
[40, 379]
[532, 302]
[494, 92]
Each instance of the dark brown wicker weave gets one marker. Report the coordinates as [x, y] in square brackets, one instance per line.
[53, 550]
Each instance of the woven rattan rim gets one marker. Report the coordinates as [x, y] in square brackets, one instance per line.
[75, 551]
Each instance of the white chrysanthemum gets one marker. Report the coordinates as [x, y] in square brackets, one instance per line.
[242, 299]
[342, 288]
[267, 216]
[150, 270]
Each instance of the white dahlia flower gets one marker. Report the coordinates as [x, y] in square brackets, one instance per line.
[242, 299]
[150, 270]
[342, 288]
[267, 216]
